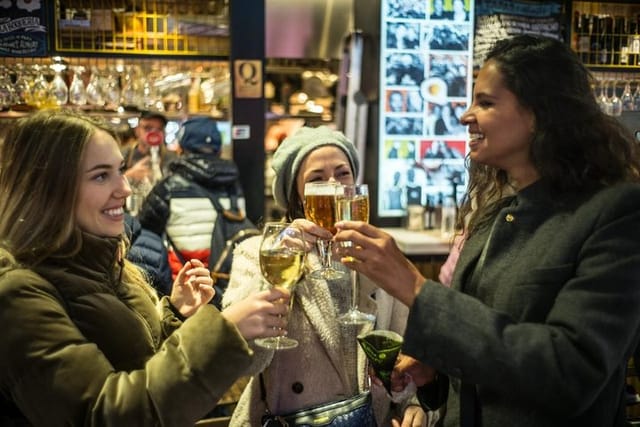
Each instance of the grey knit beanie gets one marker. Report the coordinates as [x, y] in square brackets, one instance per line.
[293, 150]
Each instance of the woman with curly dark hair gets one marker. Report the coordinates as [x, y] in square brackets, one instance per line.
[542, 313]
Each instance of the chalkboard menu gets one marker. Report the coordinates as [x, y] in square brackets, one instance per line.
[499, 19]
[23, 28]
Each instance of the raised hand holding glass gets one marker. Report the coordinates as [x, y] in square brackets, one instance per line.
[281, 263]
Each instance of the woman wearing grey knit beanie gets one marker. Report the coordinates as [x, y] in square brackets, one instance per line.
[328, 365]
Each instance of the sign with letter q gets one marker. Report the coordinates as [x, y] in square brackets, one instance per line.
[247, 78]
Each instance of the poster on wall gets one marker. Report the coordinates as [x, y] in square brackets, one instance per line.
[425, 86]
[22, 28]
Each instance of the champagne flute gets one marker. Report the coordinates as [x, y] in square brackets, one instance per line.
[319, 208]
[352, 204]
[281, 262]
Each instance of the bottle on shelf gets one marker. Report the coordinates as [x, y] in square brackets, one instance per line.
[624, 43]
[633, 41]
[585, 27]
[594, 30]
[448, 223]
[604, 41]
[429, 212]
[193, 97]
[617, 36]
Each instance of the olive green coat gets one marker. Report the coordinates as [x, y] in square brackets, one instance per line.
[545, 332]
[79, 347]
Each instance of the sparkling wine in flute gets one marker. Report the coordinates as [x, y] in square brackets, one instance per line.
[319, 209]
[353, 208]
[352, 204]
[282, 267]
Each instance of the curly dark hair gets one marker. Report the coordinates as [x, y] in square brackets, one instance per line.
[575, 145]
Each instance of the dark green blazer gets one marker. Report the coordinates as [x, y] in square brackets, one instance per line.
[545, 333]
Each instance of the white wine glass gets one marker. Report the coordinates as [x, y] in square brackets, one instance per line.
[352, 204]
[319, 208]
[281, 263]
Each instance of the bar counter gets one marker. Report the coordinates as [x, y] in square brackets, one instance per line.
[420, 243]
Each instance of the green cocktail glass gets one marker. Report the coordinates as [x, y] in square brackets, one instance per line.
[382, 348]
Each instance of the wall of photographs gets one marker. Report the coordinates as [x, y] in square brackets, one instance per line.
[425, 86]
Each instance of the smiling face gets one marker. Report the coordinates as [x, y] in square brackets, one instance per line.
[326, 163]
[500, 129]
[103, 188]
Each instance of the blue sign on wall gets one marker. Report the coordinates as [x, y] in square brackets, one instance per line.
[23, 30]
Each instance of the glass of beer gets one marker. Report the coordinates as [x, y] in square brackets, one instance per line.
[319, 208]
[352, 204]
[281, 263]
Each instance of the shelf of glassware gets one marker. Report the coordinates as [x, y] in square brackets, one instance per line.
[617, 91]
[111, 86]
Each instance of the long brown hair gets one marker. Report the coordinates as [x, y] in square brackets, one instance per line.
[40, 163]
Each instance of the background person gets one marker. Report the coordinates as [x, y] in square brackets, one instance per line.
[542, 315]
[179, 206]
[147, 250]
[85, 341]
[138, 156]
[328, 365]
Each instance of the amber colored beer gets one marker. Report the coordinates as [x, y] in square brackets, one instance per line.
[320, 209]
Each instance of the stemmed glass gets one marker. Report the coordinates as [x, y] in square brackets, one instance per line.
[603, 99]
[77, 89]
[58, 86]
[95, 95]
[636, 97]
[319, 208]
[615, 101]
[627, 97]
[352, 204]
[281, 262]
[7, 93]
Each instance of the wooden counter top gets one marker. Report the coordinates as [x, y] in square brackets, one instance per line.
[426, 242]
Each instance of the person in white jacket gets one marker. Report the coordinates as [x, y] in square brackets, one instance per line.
[328, 364]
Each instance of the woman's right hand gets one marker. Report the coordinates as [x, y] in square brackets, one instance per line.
[375, 254]
[260, 315]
